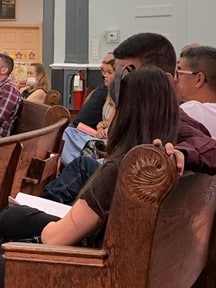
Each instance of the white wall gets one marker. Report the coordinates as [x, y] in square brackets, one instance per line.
[198, 25]
[201, 22]
[59, 28]
[104, 15]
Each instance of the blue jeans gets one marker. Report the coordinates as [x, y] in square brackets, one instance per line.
[66, 187]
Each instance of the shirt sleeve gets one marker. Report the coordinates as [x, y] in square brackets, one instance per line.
[200, 154]
[8, 100]
[99, 190]
[196, 143]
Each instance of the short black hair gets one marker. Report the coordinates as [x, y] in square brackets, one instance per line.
[149, 48]
[8, 62]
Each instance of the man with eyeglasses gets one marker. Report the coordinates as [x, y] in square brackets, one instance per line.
[196, 84]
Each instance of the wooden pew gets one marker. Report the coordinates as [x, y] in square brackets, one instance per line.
[157, 235]
[53, 97]
[33, 116]
[38, 163]
[9, 155]
[38, 131]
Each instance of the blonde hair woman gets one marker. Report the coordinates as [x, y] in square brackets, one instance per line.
[37, 83]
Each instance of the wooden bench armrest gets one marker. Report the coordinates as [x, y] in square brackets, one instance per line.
[54, 254]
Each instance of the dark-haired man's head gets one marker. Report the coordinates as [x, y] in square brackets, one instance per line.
[6, 66]
[147, 49]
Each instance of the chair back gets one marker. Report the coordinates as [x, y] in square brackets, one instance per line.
[53, 97]
[158, 229]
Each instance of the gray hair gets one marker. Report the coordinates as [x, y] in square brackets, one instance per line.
[202, 59]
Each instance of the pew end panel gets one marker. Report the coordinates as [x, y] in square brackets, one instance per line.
[40, 173]
[157, 234]
[36, 168]
[9, 156]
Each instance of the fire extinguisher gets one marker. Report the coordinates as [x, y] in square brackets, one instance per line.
[78, 89]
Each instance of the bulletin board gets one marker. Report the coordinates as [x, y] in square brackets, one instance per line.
[24, 44]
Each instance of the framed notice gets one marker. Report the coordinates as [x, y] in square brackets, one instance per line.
[7, 10]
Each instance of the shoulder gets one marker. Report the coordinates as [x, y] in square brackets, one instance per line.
[101, 91]
[99, 190]
[10, 89]
[190, 104]
[197, 109]
[38, 95]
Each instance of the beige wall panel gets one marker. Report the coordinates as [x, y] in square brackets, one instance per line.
[22, 42]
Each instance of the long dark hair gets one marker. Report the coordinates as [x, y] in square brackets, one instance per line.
[147, 108]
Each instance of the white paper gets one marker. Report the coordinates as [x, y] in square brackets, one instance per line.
[48, 206]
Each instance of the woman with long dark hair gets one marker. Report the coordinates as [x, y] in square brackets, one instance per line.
[146, 109]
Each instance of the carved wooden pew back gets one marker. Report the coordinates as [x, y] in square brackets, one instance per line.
[157, 235]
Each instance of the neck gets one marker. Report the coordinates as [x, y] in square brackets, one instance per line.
[206, 97]
[2, 78]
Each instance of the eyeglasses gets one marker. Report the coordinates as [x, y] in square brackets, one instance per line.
[179, 72]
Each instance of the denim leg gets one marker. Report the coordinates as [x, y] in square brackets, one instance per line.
[66, 187]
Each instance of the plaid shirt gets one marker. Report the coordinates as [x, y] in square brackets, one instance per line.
[10, 99]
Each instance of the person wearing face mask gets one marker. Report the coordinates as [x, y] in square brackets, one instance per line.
[37, 83]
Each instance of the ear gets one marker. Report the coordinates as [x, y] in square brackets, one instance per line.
[200, 80]
[4, 71]
[170, 76]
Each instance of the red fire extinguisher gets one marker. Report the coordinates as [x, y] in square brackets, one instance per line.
[78, 89]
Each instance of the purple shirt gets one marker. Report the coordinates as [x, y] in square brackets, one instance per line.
[10, 99]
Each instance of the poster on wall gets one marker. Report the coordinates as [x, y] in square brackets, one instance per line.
[7, 10]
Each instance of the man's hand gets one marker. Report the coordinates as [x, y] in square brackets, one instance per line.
[172, 152]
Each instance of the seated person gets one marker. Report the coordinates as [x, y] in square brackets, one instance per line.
[37, 83]
[196, 86]
[155, 98]
[93, 114]
[90, 113]
[10, 97]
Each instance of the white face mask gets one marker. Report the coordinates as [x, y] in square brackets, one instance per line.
[32, 81]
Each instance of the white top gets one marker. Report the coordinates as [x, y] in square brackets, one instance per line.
[205, 113]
